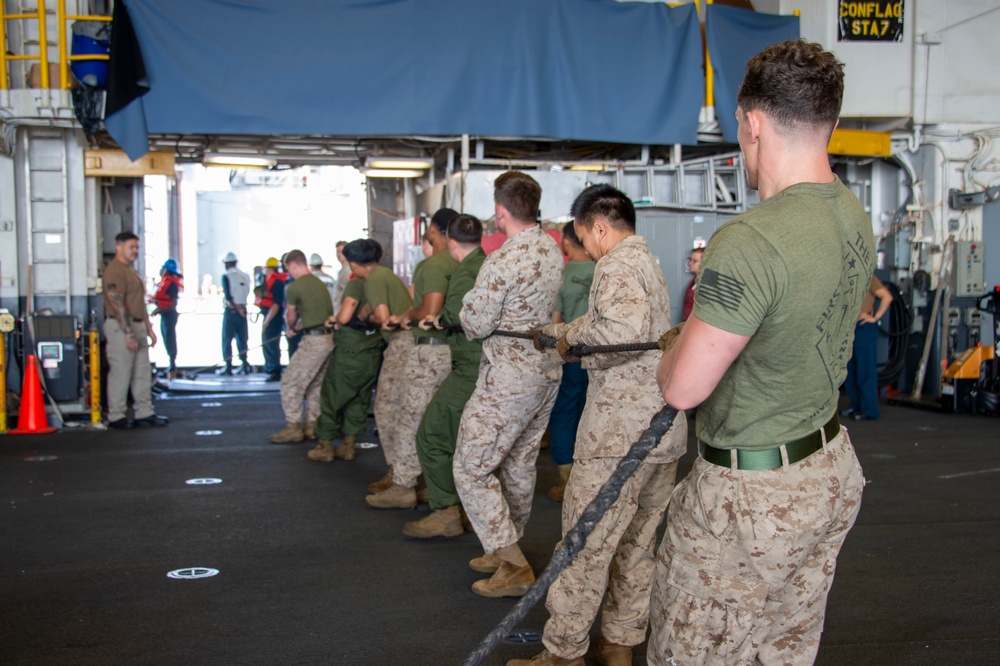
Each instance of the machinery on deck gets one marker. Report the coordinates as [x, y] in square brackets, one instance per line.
[972, 382]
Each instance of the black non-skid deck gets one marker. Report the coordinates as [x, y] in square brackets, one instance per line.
[93, 522]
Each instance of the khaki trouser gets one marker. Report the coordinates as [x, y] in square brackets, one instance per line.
[128, 370]
[303, 378]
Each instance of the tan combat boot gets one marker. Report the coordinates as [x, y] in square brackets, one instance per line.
[486, 563]
[291, 434]
[611, 654]
[309, 431]
[556, 492]
[346, 449]
[323, 452]
[441, 523]
[382, 484]
[393, 497]
[512, 579]
[546, 658]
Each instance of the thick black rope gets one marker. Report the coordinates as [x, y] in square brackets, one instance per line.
[575, 539]
[576, 350]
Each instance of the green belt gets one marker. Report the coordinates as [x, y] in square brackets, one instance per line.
[798, 449]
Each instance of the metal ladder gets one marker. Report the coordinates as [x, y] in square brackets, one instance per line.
[47, 217]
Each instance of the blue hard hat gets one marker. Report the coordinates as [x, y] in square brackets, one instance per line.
[170, 265]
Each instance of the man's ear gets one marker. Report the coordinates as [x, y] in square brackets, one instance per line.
[754, 121]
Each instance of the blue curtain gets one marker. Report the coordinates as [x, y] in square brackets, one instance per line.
[733, 37]
[567, 69]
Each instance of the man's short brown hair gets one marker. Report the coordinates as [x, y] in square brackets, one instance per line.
[295, 257]
[519, 193]
[796, 83]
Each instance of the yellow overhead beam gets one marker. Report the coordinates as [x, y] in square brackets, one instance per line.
[106, 162]
[860, 142]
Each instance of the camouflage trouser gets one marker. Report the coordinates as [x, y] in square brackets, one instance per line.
[389, 391]
[618, 557]
[427, 367]
[501, 429]
[303, 378]
[747, 561]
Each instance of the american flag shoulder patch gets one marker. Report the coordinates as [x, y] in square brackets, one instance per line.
[715, 287]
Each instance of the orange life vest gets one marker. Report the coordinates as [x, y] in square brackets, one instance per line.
[163, 300]
[267, 300]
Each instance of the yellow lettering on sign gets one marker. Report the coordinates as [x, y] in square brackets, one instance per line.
[871, 10]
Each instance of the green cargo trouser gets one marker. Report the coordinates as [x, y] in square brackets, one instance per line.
[346, 392]
[438, 430]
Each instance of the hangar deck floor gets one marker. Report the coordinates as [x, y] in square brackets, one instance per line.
[308, 574]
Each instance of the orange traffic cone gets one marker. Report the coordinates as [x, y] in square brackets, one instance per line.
[31, 419]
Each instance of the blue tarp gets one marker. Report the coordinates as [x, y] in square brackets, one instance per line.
[733, 37]
[594, 70]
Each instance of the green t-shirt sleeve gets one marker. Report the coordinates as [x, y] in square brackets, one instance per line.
[376, 290]
[292, 295]
[741, 278]
[435, 276]
[354, 289]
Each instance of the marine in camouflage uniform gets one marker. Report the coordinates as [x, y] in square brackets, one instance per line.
[503, 422]
[629, 303]
[427, 366]
[753, 532]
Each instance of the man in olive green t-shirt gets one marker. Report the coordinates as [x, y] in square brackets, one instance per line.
[754, 530]
[438, 431]
[571, 304]
[308, 306]
[426, 367]
[349, 378]
[387, 296]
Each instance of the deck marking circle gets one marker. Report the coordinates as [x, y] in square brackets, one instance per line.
[40, 458]
[207, 433]
[208, 481]
[189, 573]
[366, 445]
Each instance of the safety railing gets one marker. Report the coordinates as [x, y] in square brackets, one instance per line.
[42, 57]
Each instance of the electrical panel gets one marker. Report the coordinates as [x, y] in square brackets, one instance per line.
[967, 273]
[56, 347]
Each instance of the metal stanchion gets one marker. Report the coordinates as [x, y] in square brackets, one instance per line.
[94, 339]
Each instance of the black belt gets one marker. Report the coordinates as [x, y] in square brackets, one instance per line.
[127, 319]
[797, 450]
[428, 340]
[318, 330]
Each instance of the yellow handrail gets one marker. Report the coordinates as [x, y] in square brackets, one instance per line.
[43, 51]
[64, 58]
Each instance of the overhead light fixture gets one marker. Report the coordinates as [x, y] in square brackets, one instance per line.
[392, 173]
[238, 160]
[587, 167]
[399, 162]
